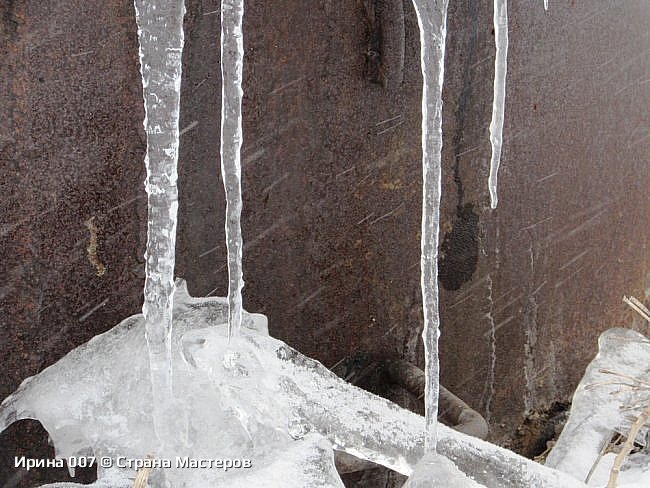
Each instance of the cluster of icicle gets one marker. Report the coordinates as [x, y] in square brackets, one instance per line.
[162, 159]
[160, 31]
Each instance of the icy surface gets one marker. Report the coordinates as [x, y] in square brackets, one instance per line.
[305, 463]
[605, 402]
[270, 404]
[635, 475]
[232, 60]
[499, 101]
[160, 32]
[436, 471]
[432, 20]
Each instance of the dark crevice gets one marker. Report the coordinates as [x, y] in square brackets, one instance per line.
[8, 14]
[465, 99]
[386, 42]
[459, 248]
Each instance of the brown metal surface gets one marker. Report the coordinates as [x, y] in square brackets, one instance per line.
[332, 188]
[71, 149]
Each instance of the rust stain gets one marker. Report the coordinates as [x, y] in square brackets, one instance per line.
[100, 268]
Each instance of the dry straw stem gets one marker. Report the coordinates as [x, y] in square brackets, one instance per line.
[627, 446]
[142, 477]
[638, 306]
[606, 447]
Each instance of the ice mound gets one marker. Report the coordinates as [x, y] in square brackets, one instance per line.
[436, 471]
[305, 463]
[253, 398]
[612, 392]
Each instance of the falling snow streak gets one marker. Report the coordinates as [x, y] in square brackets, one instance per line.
[432, 20]
[498, 104]
[160, 32]
[232, 60]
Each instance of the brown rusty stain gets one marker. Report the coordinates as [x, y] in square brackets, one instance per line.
[100, 268]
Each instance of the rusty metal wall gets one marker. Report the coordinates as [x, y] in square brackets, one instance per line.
[71, 150]
[332, 189]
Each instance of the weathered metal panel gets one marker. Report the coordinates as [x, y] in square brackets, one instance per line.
[332, 187]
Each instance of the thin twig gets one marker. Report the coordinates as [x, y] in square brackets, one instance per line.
[142, 477]
[627, 446]
[639, 307]
[621, 375]
[601, 453]
[630, 339]
[635, 406]
[592, 386]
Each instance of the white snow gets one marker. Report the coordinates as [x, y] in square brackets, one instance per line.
[232, 60]
[498, 103]
[432, 20]
[605, 402]
[160, 32]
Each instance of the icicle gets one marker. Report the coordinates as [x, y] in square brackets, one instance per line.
[232, 60]
[498, 105]
[545, 4]
[432, 20]
[160, 32]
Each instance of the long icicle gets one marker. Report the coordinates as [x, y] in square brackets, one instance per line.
[160, 32]
[498, 104]
[232, 60]
[432, 20]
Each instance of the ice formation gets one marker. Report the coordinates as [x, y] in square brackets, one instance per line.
[612, 392]
[498, 103]
[436, 471]
[305, 463]
[237, 391]
[232, 60]
[432, 20]
[160, 32]
[282, 410]
[636, 472]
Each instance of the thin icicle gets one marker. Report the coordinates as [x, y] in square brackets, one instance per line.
[432, 19]
[160, 32]
[232, 60]
[545, 4]
[498, 105]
